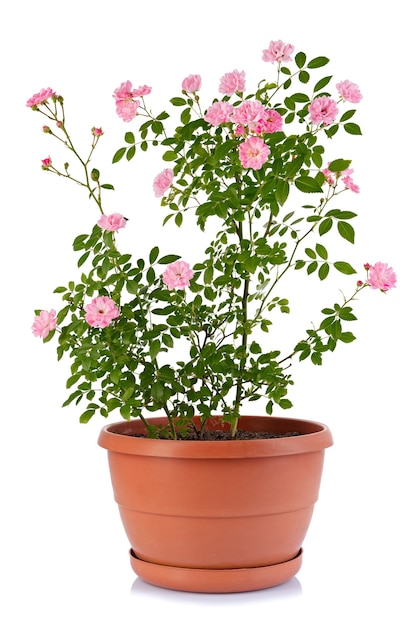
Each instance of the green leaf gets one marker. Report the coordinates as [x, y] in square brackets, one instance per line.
[352, 129]
[346, 231]
[169, 258]
[344, 268]
[304, 77]
[153, 255]
[321, 251]
[322, 83]
[347, 337]
[72, 380]
[154, 349]
[339, 165]
[300, 59]
[86, 416]
[131, 153]
[282, 190]
[157, 391]
[325, 225]
[178, 102]
[170, 155]
[324, 271]
[132, 287]
[318, 62]
[125, 411]
[307, 184]
[83, 258]
[294, 166]
[347, 115]
[119, 155]
[157, 127]
[185, 116]
[300, 97]
[129, 137]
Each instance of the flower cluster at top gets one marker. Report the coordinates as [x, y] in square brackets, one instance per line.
[251, 121]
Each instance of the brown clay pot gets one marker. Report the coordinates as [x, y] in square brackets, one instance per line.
[217, 516]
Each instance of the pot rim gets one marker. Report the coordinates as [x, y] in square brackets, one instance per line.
[315, 436]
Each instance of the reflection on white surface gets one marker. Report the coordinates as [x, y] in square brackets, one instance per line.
[290, 589]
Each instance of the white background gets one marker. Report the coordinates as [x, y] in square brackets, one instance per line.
[64, 558]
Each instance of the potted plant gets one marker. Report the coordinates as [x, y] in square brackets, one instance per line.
[212, 498]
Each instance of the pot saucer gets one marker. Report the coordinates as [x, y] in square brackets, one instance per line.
[215, 581]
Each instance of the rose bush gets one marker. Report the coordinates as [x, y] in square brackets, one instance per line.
[253, 163]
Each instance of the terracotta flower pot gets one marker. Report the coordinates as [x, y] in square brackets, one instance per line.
[217, 516]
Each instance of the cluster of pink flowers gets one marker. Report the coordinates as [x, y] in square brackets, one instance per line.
[345, 176]
[250, 121]
[251, 118]
[323, 110]
[128, 99]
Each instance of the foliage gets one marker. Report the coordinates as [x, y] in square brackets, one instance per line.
[240, 173]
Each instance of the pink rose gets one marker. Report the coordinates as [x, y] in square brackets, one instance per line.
[249, 113]
[40, 98]
[101, 311]
[112, 222]
[381, 276]
[219, 113]
[127, 99]
[323, 110]
[126, 109]
[349, 184]
[144, 90]
[44, 323]
[329, 176]
[272, 121]
[163, 182]
[177, 274]
[192, 83]
[349, 91]
[46, 163]
[97, 132]
[253, 153]
[232, 82]
[277, 52]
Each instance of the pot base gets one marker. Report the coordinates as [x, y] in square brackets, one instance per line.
[215, 581]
